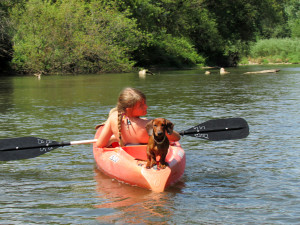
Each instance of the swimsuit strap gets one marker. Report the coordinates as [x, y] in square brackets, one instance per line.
[126, 119]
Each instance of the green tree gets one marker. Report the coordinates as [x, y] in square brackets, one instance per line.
[293, 11]
[241, 22]
[5, 34]
[166, 28]
[72, 36]
[272, 19]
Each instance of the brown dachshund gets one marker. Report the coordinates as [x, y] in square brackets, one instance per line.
[158, 143]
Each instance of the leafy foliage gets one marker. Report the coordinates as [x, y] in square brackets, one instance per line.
[293, 12]
[168, 26]
[5, 37]
[73, 36]
[277, 50]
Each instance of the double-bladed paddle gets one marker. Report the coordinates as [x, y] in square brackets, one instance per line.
[212, 130]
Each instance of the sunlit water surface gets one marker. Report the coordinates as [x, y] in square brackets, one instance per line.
[249, 181]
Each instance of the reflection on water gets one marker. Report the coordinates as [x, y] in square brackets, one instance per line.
[134, 205]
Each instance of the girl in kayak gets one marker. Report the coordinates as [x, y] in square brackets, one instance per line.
[124, 124]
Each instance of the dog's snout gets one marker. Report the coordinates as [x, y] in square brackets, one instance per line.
[160, 132]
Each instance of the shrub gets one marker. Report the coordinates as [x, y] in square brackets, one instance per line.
[73, 36]
[277, 50]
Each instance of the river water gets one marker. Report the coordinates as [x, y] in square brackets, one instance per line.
[255, 180]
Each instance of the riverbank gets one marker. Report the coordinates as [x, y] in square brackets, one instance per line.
[255, 63]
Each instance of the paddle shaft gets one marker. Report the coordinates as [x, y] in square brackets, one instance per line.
[83, 142]
[49, 145]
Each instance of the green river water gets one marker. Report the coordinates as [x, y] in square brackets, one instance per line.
[249, 181]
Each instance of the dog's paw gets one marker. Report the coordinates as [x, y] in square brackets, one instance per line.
[148, 166]
[163, 165]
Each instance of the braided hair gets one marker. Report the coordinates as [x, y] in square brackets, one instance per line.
[127, 99]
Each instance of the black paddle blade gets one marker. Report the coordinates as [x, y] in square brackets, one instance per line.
[220, 129]
[25, 148]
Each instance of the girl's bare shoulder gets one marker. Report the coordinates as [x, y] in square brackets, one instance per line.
[113, 115]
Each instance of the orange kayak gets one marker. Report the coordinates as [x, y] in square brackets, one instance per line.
[128, 164]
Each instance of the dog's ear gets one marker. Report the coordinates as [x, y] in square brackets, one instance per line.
[149, 127]
[169, 126]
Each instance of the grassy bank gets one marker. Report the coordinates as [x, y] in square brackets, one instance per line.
[284, 50]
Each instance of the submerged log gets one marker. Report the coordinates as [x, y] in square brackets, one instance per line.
[264, 71]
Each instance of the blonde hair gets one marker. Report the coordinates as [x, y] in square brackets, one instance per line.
[127, 99]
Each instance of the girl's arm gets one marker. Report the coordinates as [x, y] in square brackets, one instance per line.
[105, 135]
